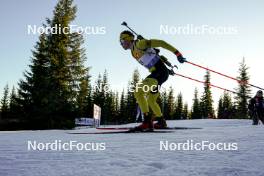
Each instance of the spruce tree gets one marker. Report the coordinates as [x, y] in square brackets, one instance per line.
[178, 107]
[109, 108]
[227, 105]
[50, 92]
[171, 104]
[220, 109]
[113, 108]
[207, 100]
[196, 108]
[66, 62]
[164, 104]
[122, 110]
[14, 109]
[131, 103]
[34, 90]
[104, 97]
[5, 103]
[243, 90]
[106, 108]
[185, 114]
[83, 101]
[116, 108]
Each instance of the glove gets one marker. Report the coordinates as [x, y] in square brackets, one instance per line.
[171, 72]
[180, 58]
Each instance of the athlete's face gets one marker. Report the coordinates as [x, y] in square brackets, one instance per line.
[125, 44]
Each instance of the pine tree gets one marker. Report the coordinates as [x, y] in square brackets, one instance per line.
[89, 105]
[116, 108]
[131, 103]
[227, 105]
[66, 62]
[106, 99]
[243, 91]
[108, 108]
[84, 105]
[34, 90]
[185, 114]
[164, 104]
[14, 109]
[5, 103]
[178, 107]
[49, 93]
[170, 103]
[220, 108]
[122, 109]
[207, 100]
[196, 108]
[107, 96]
[80, 79]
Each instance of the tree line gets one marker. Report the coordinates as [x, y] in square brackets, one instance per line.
[120, 107]
[57, 87]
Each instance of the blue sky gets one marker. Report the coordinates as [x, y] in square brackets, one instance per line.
[220, 52]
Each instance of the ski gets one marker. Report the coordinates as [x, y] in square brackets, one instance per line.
[130, 128]
[123, 131]
[118, 130]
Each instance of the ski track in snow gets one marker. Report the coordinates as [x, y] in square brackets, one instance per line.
[138, 154]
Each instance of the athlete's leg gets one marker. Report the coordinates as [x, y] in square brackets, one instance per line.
[161, 75]
[152, 100]
[142, 91]
[154, 106]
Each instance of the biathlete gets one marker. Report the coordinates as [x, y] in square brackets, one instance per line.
[145, 52]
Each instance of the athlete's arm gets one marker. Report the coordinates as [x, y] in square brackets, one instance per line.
[160, 43]
[154, 43]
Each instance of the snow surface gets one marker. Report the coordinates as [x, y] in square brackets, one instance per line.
[138, 154]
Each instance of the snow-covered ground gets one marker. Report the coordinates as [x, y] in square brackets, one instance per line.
[138, 154]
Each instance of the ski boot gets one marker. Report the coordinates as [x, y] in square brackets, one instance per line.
[161, 123]
[146, 126]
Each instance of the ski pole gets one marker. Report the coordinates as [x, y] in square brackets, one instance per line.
[209, 84]
[230, 77]
[125, 24]
[171, 71]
